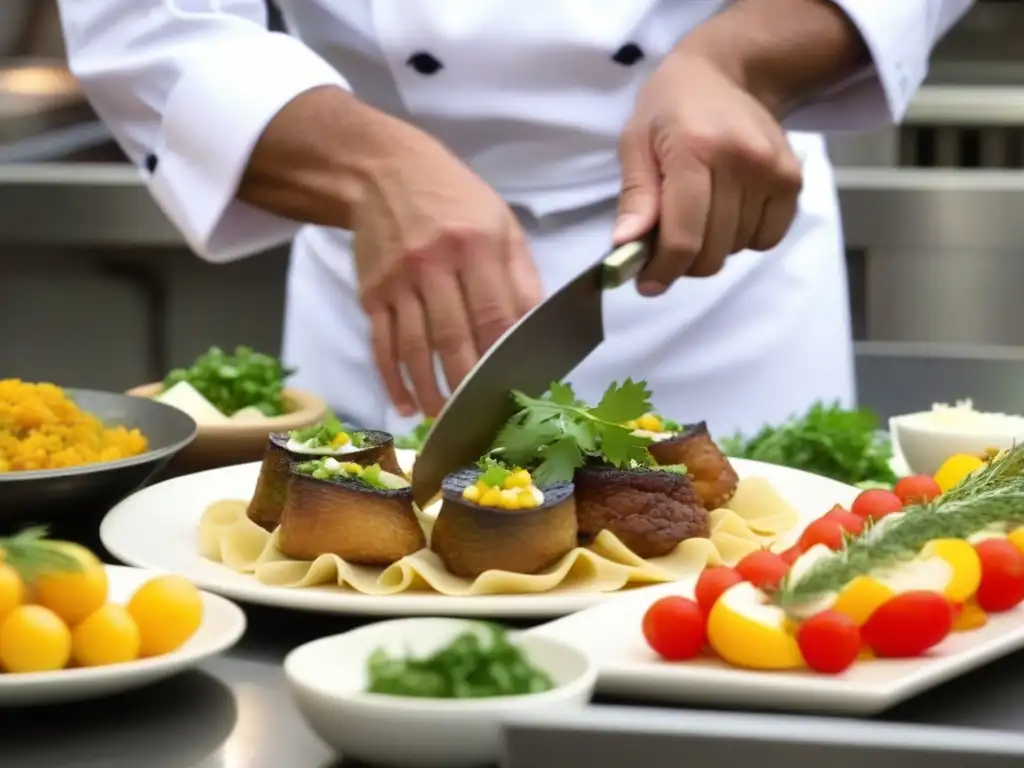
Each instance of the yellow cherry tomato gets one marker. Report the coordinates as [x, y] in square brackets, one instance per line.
[861, 597]
[108, 635]
[1017, 538]
[745, 630]
[964, 563]
[956, 468]
[970, 617]
[73, 595]
[34, 639]
[12, 590]
[167, 610]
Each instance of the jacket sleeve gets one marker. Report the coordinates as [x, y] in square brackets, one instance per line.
[187, 88]
[900, 35]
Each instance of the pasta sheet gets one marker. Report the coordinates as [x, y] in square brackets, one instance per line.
[756, 516]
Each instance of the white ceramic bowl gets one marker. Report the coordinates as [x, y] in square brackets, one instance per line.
[328, 678]
[925, 445]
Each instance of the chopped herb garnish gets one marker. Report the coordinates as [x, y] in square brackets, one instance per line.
[555, 435]
[992, 497]
[415, 439]
[470, 667]
[371, 476]
[675, 469]
[245, 379]
[493, 473]
[828, 440]
[328, 433]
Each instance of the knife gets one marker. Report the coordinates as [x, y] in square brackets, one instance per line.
[544, 346]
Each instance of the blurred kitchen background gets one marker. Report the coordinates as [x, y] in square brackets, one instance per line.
[98, 290]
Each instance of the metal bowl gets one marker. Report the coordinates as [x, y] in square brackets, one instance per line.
[41, 496]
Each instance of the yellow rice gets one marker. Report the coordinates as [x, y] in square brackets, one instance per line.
[41, 428]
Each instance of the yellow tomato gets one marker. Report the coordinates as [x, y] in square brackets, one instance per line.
[12, 590]
[971, 617]
[964, 564]
[745, 630]
[34, 639]
[956, 468]
[861, 597]
[167, 610]
[108, 635]
[73, 595]
[1017, 538]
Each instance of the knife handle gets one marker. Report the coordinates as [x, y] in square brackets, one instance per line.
[625, 262]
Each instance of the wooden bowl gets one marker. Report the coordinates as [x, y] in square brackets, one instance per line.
[221, 445]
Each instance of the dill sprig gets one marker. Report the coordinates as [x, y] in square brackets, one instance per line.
[30, 554]
[992, 497]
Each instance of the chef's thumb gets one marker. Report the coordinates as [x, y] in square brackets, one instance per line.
[640, 199]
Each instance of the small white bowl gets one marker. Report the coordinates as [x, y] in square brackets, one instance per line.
[328, 678]
[925, 445]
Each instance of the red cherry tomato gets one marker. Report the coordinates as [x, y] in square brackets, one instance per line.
[825, 530]
[675, 628]
[908, 625]
[711, 583]
[852, 524]
[916, 489]
[829, 642]
[790, 555]
[763, 569]
[876, 504]
[1002, 575]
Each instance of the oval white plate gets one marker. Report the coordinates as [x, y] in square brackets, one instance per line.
[156, 528]
[223, 625]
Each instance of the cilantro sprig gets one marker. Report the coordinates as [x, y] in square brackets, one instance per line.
[556, 434]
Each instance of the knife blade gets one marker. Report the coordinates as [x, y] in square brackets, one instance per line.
[544, 346]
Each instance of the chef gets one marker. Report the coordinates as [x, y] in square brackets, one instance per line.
[442, 165]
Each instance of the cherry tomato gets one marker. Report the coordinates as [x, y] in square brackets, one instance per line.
[763, 569]
[852, 524]
[711, 583]
[908, 624]
[790, 555]
[876, 503]
[916, 489]
[675, 628]
[829, 642]
[1002, 575]
[825, 530]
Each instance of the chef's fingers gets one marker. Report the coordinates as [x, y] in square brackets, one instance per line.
[639, 200]
[415, 352]
[448, 325]
[490, 302]
[781, 207]
[752, 205]
[384, 340]
[685, 206]
[527, 289]
[723, 221]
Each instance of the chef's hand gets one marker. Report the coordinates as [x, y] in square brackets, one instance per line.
[707, 162]
[443, 266]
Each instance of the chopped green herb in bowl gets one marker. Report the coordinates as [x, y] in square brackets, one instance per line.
[236, 381]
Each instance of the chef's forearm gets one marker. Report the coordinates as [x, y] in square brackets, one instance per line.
[315, 159]
[781, 51]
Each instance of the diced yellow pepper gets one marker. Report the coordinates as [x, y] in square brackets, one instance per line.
[341, 439]
[509, 499]
[519, 479]
[526, 499]
[491, 498]
[352, 468]
[650, 423]
[955, 469]
[472, 493]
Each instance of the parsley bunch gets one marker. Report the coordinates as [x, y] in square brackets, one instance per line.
[554, 435]
[231, 382]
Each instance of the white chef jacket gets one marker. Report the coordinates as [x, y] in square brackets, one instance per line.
[532, 99]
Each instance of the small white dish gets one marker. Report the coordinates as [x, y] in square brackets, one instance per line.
[328, 678]
[223, 624]
[925, 442]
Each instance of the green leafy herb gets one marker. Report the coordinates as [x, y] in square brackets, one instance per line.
[493, 472]
[993, 497]
[231, 382]
[555, 435]
[470, 667]
[828, 440]
[324, 434]
[371, 476]
[30, 554]
[415, 439]
[676, 469]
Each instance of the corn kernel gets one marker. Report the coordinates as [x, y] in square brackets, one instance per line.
[352, 468]
[509, 499]
[525, 499]
[650, 423]
[519, 479]
[340, 440]
[482, 486]
[491, 498]
[472, 493]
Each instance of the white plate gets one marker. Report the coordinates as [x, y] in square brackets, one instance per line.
[156, 528]
[223, 625]
[611, 634]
